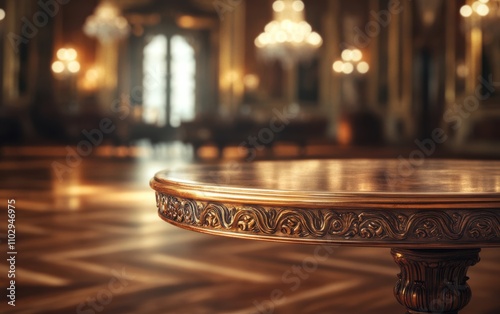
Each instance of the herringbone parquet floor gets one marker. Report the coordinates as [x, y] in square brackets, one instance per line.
[92, 243]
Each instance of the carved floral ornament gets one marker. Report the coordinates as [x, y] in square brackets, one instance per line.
[378, 226]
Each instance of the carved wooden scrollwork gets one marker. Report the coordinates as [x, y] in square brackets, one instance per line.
[383, 226]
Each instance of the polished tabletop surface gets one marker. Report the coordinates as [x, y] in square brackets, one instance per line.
[320, 183]
[437, 204]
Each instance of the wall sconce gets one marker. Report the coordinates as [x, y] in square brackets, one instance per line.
[66, 63]
[479, 7]
[2, 14]
[351, 61]
[66, 68]
[481, 14]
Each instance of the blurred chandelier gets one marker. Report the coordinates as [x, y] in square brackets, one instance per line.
[106, 24]
[483, 14]
[288, 37]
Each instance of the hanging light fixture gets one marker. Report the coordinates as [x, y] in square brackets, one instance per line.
[106, 24]
[288, 37]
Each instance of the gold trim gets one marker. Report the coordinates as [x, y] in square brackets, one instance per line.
[408, 227]
[208, 192]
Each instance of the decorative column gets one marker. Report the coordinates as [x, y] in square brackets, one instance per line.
[451, 62]
[393, 79]
[434, 281]
[473, 51]
[406, 102]
[330, 91]
[232, 59]
[374, 75]
[10, 73]
[107, 62]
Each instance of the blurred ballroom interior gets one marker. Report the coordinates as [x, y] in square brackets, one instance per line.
[97, 96]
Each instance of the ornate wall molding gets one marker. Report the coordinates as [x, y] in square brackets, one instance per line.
[390, 226]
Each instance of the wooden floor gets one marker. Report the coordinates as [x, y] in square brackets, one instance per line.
[93, 243]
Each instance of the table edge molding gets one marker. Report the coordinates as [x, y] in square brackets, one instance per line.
[311, 199]
[396, 227]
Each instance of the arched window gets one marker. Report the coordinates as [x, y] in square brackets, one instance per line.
[169, 101]
[182, 84]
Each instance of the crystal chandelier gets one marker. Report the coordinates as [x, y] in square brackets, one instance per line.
[288, 37]
[484, 14]
[106, 24]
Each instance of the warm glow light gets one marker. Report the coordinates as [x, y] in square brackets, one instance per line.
[363, 67]
[351, 59]
[71, 54]
[62, 54]
[338, 66]
[258, 42]
[278, 6]
[232, 76]
[346, 55]
[106, 24]
[66, 61]
[92, 74]
[347, 68]
[462, 70]
[297, 37]
[107, 12]
[482, 9]
[2, 14]
[281, 36]
[356, 55]
[344, 133]
[91, 79]
[466, 11]
[477, 15]
[288, 37]
[74, 66]
[58, 67]
[475, 5]
[66, 54]
[314, 39]
[251, 82]
[186, 21]
[298, 6]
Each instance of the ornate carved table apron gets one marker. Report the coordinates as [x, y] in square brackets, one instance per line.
[434, 214]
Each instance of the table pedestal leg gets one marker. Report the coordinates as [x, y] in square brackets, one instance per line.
[433, 281]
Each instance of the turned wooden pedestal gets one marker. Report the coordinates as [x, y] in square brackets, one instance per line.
[435, 216]
[434, 281]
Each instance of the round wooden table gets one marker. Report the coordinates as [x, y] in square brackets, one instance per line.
[434, 214]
